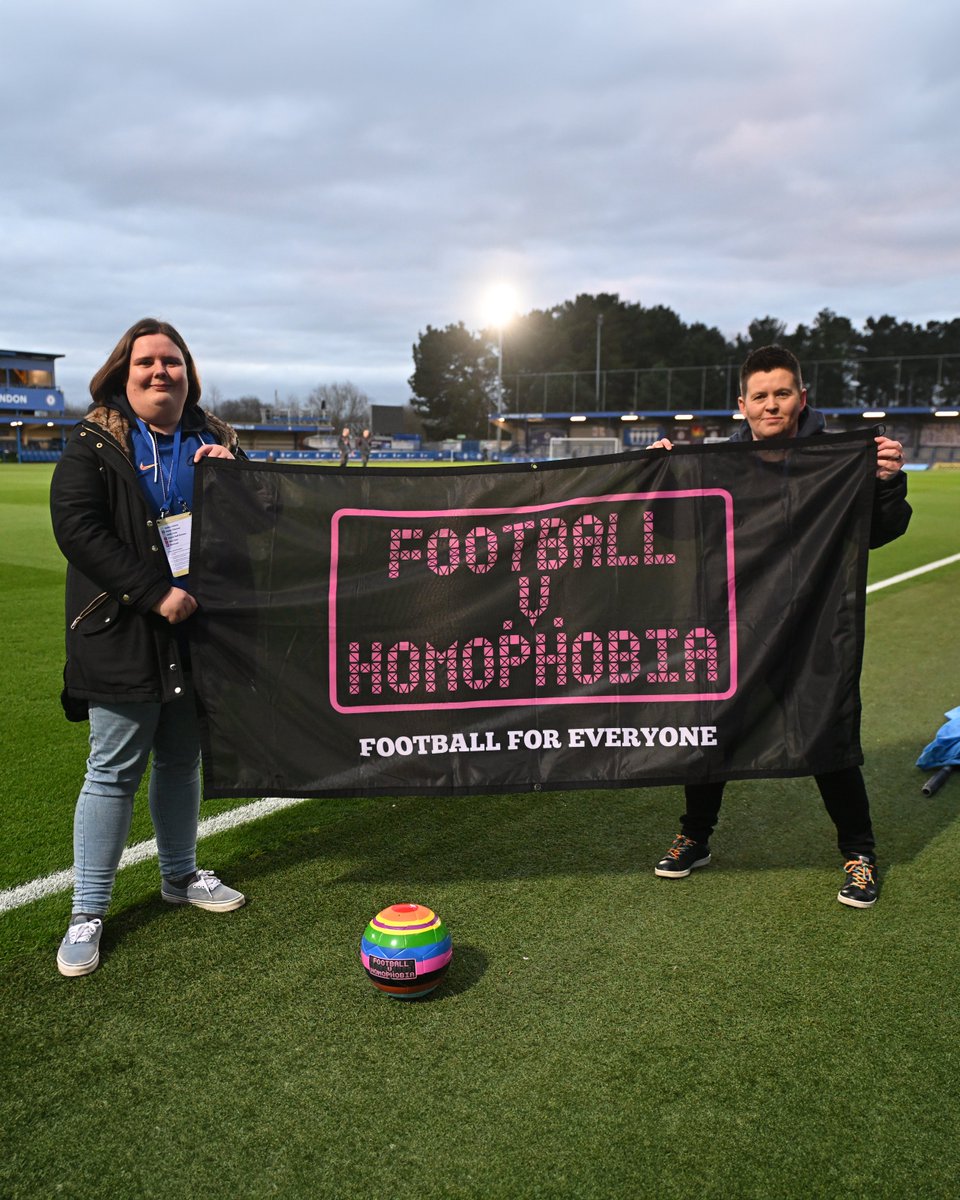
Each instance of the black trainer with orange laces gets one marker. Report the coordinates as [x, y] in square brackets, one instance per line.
[860, 890]
[683, 857]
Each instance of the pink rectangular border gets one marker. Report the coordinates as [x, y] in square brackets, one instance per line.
[417, 514]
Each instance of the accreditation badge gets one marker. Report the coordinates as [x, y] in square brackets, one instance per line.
[175, 534]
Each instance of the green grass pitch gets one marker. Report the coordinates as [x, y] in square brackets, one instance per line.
[602, 1033]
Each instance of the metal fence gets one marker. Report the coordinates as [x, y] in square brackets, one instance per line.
[908, 381]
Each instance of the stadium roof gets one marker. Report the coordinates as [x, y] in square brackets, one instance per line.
[28, 354]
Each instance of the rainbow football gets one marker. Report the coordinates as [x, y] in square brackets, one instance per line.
[406, 950]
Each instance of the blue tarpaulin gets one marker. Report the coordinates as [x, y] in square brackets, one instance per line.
[944, 750]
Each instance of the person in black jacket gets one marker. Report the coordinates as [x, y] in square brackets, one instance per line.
[773, 401]
[119, 503]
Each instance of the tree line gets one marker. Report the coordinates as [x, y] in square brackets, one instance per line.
[329, 404]
[650, 358]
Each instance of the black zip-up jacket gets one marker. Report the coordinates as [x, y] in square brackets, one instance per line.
[118, 650]
[891, 512]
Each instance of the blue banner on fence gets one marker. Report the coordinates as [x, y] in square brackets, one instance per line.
[618, 621]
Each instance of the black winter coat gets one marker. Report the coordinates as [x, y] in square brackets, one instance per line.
[118, 650]
[891, 512]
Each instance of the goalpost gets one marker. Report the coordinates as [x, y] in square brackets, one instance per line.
[583, 447]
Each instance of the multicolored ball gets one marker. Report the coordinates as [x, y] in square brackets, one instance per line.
[406, 950]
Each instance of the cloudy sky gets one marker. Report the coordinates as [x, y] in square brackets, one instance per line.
[303, 187]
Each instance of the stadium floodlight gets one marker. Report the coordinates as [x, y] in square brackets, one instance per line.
[499, 305]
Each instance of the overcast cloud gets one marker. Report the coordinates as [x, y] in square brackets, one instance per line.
[302, 187]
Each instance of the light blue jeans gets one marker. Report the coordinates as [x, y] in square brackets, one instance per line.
[121, 739]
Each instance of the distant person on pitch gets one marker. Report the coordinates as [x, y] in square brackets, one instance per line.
[344, 445]
[120, 505]
[363, 445]
[774, 402]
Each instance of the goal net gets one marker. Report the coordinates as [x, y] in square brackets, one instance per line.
[583, 447]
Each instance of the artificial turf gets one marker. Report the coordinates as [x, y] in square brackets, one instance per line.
[601, 1033]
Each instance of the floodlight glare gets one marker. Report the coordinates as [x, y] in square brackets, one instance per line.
[499, 305]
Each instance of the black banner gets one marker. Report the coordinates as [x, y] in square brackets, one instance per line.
[618, 621]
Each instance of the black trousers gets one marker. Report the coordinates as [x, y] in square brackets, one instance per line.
[844, 795]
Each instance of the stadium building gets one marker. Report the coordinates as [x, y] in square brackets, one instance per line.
[549, 416]
[32, 421]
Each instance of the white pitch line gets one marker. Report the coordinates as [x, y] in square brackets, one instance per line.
[941, 562]
[62, 881]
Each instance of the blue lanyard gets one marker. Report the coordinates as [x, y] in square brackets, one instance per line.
[171, 492]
